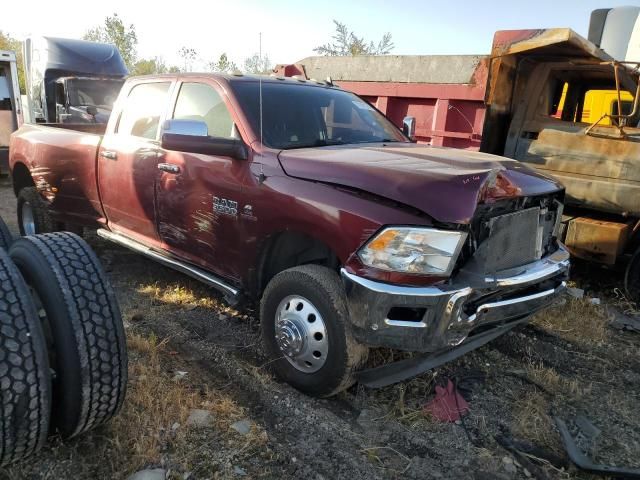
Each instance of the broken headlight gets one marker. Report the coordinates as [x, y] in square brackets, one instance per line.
[426, 251]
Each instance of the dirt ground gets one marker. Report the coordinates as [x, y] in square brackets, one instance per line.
[188, 350]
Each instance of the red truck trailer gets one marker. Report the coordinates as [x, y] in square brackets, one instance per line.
[445, 94]
[524, 101]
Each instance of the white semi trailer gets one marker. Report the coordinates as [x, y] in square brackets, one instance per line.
[10, 104]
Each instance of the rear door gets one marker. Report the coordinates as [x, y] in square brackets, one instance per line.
[200, 197]
[128, 161]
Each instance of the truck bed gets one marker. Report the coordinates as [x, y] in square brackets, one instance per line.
[95, 128]
[59, 154]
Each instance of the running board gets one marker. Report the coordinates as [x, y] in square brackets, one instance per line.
[231, 294]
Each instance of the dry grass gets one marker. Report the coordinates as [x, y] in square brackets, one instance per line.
[151, 428]
[577, 320]
[157, 406]
[407, 414]
[186, 297]
[555, 383]
[177, 295]
[531, 420]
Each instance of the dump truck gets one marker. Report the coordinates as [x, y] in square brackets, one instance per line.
[526, 101]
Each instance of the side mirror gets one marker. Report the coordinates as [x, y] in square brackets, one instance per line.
[194, 128]
[192, 136]
[409, 127]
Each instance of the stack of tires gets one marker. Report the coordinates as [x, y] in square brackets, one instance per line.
[63, 358]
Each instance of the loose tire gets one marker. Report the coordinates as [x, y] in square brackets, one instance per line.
[632, 278]
[5, 235]
[89, 351]
[33, 216]
[25, 379]
[304, 327]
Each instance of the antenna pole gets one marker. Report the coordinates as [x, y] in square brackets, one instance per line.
[260, 77]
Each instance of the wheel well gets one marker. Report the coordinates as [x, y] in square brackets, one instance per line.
[21, 178]
[291, 249]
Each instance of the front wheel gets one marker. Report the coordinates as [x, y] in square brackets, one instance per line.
[304, 329]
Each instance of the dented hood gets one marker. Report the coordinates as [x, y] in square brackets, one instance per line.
[446, 184]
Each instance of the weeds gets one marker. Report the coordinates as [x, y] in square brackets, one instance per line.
[157, 406]
[531, 420]
[578, 320]
[555, 383]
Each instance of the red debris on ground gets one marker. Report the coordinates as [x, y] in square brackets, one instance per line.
[448, 405]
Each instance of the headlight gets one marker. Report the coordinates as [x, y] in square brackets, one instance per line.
[413, 250]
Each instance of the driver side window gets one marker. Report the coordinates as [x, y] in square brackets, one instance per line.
[198, 101]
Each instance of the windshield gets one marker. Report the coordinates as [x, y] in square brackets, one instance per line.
[299, 116]
[99, 93]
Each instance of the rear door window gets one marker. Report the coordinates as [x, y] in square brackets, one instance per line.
[143, 110]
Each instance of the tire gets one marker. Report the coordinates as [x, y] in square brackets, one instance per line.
[90, 357]
[5, 236]
[316, 289]
[31, 203]
[25, 378]
[632, 278]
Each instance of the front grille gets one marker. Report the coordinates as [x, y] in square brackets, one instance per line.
[511, 233]
[513, 240]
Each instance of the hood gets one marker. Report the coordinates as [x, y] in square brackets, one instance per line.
[445, 183]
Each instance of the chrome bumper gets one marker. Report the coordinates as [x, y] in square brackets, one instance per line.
[451, 312]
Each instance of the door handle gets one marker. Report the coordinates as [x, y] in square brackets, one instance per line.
[109, 154]
[169, 167]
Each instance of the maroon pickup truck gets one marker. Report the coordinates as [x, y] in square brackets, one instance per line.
[303, 197]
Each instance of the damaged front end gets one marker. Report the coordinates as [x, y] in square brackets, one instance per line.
[511, 266]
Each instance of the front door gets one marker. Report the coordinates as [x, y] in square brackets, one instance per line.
[128, 163]
[200, 197]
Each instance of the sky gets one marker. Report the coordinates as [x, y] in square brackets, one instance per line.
[292, 28]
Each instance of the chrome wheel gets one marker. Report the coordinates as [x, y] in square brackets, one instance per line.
[28, 222]
[301, 334]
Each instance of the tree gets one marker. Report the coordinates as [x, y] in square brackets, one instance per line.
[347, 43]
[149, 66]
[223, 65]
[188, 56]
[258, 65]
[114, 31]
[7, 42]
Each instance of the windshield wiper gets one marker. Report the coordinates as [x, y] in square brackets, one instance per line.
[383, 140]
[317, 143]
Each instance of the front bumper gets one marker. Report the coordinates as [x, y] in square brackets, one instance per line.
[443, 317]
